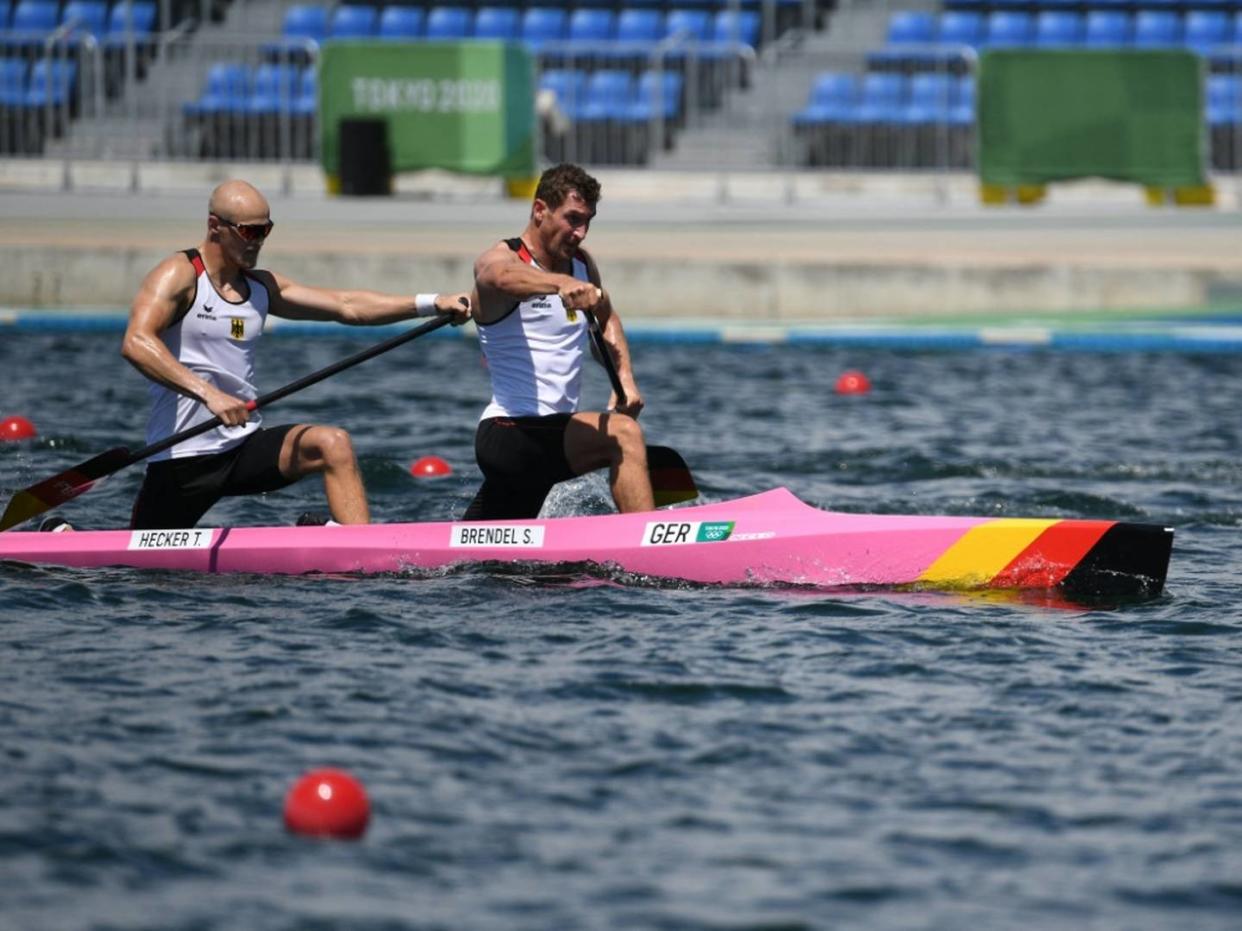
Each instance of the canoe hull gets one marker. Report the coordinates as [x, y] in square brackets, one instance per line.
[770, 538]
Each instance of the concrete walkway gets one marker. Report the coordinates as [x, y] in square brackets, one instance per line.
[668, 248]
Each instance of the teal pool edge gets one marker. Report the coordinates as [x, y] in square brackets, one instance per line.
[1216, 334]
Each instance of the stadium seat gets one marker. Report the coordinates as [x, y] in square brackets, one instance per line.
[51, 83]
[1157, 29]
[273, 89]
[1107, 29]
[569, 86]
[449, 22]
[497, 22]
[742, 26]
[305, 21]
[87, 17]
[910, 33]
[6, 14]
[1058, 29]
[930, 100]
[139, 15]
[1223, 115]
[13, 73]
[543, 27]
[688, 25]
[592, 25]
[353, 21]
[659, 93]
[609, 93]
[960, 35]
[638, 30]
[832, 95]
[1207, 29]
[1008, 29]
[880, 99]
[225, 89]
[35, 16]
[402, 22]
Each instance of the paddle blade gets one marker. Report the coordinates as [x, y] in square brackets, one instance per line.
[47, 494]
[670, 476]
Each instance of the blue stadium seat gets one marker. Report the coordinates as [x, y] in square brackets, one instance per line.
[832, 95]
[306, 21]
[33, 16]
[273, 89]
[592, 25]
[51, 82]
[449, 22]
[1058, 29]
[1107, 29]
[744, 26]
[880, 98]
[306, 98]
[659, 94]
[543, 26]
[930, 100]
[910, 34]
[497, 22]
[89, 17]
[609, 95]
[688, 25]
[960, 34]
[402, 22]
[141, 15]
[1223, 104]
[1157, 29]
[640, 26]
[569, 86]
[1207, 29]
[1009, 29]
[225, 90]
[13, 73]
[353, 21]
[6, 13]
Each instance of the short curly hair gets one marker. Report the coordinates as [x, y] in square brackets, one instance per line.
[556, 183]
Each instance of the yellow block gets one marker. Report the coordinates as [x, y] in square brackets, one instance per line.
[1031, 193]
[334, 185]
[1156, 196]
[993, 194]
[521, 188]
[983, 551]
[1203, 195]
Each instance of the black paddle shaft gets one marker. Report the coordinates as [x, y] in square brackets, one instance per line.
[305, 382]
[605, 357]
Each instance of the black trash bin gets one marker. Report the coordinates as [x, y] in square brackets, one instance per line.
[366, 165]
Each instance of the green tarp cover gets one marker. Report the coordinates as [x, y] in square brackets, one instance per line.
[1124, 115]
[462, 106]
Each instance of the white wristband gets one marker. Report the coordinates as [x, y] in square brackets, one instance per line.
[425, 305]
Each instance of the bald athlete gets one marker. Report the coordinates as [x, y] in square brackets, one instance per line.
[193, 330]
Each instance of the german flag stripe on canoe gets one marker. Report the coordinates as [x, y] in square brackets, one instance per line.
[1009, 553]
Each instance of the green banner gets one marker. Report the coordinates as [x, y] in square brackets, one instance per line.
[462, 106]
[1124, 115]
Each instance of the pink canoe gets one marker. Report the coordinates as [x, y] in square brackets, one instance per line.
[769, 538]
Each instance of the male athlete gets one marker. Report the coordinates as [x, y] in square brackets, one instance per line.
[531, 301]
[193, 329]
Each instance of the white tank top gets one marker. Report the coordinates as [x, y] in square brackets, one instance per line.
[215, 340]
[534, 353]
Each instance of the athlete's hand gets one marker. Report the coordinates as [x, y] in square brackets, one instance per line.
[580, 295]
[231, 411]
[456, 304]
[633, 401]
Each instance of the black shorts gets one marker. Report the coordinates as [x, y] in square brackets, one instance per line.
[177, 492]
[521, 459]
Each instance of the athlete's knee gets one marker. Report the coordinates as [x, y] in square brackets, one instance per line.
[627, 432]
[336, 448]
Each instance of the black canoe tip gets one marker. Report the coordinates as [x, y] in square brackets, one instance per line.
[1129, 560]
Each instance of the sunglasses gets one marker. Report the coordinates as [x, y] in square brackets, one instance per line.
[251, 232]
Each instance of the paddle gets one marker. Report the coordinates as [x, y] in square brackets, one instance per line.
[47, 494]
[671, 481]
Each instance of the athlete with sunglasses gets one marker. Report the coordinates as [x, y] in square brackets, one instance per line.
[193, 330]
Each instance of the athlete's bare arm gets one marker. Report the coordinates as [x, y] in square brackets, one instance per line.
[614, 339]
[167, 293]
[501, 279]
[296, 301]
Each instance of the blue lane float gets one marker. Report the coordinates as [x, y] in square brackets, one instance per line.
[1197, 334]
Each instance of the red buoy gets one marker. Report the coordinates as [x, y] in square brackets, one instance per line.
[327, 803]
[853, 382]
[17, 428]
[430, 467]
